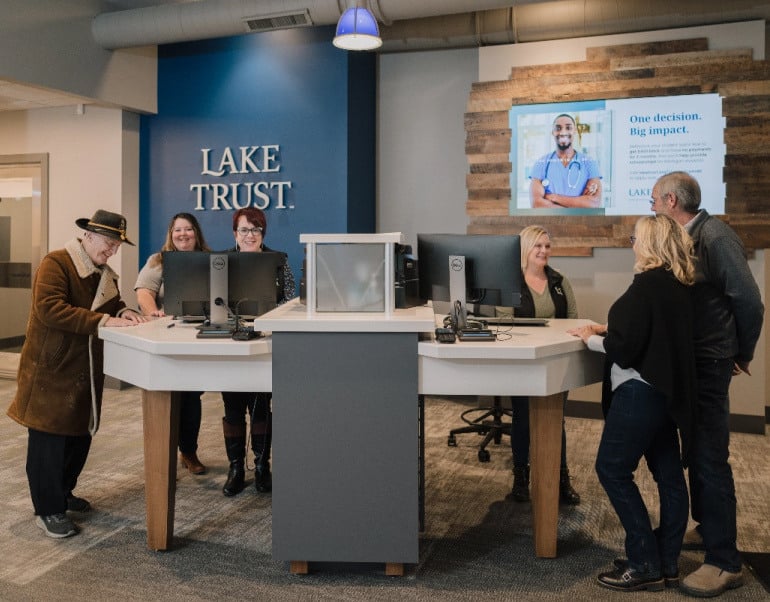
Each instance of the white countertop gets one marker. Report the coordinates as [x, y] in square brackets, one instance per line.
[515, 342]
[531, 361]
[294, 317]
[155, 337]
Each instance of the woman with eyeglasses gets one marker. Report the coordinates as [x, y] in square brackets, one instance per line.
[249, 229]
[183, 234]
[648, 394]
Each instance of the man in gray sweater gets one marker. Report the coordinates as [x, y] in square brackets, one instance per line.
[728, 320]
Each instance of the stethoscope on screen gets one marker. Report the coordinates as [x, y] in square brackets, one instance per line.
[573, 163]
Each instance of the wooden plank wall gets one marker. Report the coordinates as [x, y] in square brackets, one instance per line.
[626, 71]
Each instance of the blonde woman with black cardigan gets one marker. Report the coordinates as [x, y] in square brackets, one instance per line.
[649, 394]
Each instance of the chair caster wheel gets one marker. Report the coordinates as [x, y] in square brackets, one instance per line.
[483, 455]
[451, 441]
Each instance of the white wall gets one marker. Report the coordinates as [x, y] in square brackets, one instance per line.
[422, 165]
[93, 164]
[421, 153]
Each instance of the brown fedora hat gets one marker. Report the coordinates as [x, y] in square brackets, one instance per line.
[106, 223]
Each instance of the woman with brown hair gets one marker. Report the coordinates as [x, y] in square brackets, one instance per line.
[249, 230]
[183, 234]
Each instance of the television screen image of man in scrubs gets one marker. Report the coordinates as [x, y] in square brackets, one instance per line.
[565, 177]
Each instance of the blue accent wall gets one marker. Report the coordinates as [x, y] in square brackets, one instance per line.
[291, 89]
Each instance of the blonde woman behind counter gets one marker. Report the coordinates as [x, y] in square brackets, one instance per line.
[547, 294]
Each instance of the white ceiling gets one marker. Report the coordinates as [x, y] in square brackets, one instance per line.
[15, 96]
[20, 97]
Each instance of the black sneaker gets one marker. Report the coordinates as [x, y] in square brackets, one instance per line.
[77, 504]
[56, 525]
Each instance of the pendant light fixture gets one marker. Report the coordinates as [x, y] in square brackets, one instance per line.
[357, 30]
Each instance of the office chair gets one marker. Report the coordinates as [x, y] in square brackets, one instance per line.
[493, 430]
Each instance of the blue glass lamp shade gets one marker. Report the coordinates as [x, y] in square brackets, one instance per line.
[357, 30]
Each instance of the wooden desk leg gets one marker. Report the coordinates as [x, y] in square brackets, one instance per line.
[394, 569]
[545, 417]
[160, 411]
[298, 567]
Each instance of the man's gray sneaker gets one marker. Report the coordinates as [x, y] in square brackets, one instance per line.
[56, 525]
[709, 581]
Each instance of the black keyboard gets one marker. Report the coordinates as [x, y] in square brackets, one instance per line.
[476, 334]
[517, 321]
[214, 332]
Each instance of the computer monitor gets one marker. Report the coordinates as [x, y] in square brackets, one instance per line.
[254, 282]
[252, 286]
[186, 284]
[485, 271]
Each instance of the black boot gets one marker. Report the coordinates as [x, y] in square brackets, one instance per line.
[566, 493]
[235, 478]
[263, 480]
[235, 446]
[520, 491]
[261, 439]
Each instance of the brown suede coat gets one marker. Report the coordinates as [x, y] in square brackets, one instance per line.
[60, 378]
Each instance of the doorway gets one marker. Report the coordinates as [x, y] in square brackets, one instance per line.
[23, 240]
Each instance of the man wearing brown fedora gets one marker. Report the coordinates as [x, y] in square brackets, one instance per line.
[61, 378]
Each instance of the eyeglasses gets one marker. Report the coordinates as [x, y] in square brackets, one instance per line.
[107, 242]
[632, 239]
[247, 231]
[653, 200]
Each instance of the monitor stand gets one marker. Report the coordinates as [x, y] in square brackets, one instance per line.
[457, 310]
[218, 289]
[218, 325]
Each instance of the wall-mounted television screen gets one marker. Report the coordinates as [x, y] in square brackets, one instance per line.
[602, 157]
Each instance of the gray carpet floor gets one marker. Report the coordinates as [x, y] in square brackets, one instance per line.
[476, 544]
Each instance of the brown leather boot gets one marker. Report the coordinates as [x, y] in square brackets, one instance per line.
[192, 463]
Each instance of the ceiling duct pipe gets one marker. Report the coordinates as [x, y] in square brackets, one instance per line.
[169, 23]
[418, 25]
[562, 19]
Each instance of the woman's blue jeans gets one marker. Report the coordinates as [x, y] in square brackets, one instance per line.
[638, 425]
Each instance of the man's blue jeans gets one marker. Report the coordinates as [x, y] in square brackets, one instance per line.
[638, 425]
[711, 478]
